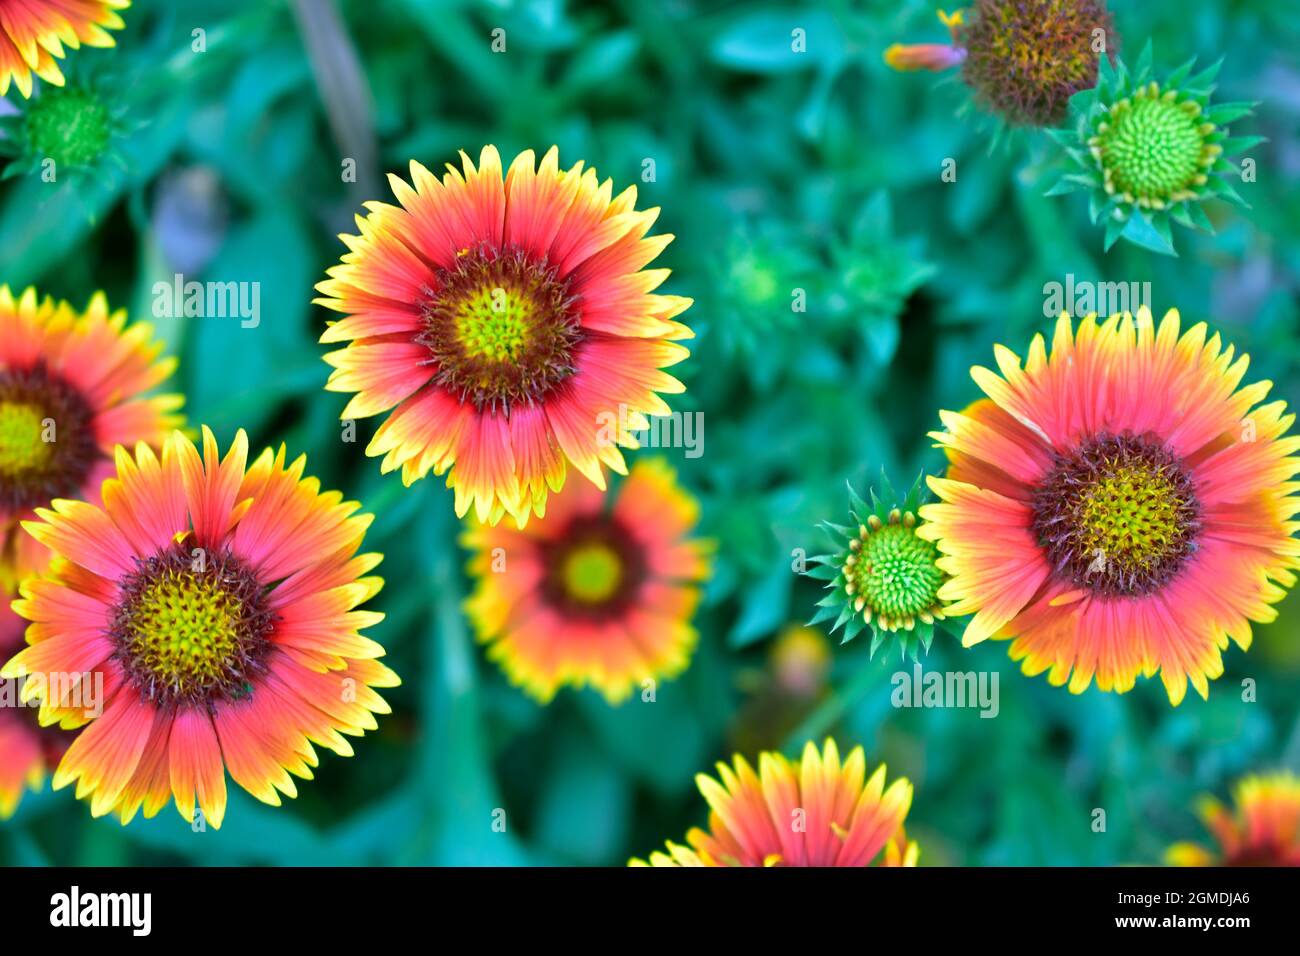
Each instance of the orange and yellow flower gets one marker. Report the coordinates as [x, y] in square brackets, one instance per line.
[800, 660]
[72, 388]
[509, 326]
[935, 57]
[204, 619]
[33, 34]
[600, 591]
[815, 811]
[1120, 507]
[1264, 830]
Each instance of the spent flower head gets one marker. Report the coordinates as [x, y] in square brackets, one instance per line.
[1021, 59]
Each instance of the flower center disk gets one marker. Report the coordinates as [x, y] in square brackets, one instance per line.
[501, 328]
[895, 573]
[594, 569]
[1152, 147]
[47, 445]
[592, 573]
[192, 628]
[1117, 516]
[22, 447]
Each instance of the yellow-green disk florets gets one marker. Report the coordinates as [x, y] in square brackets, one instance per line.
[47, 440]
[1152, 150]
[192, 628]
[21, 448]
[594, 570]
[501, 328]
[1118, 515]
[891, 575]
[592, 573]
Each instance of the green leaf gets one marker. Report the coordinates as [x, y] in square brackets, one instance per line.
[1065, 185]
[1176, 79]
[1141, 231]
[874, 224]
[1106, 76]
[1081, 105]
[824, 614]
[764, 41]
[1122, 79]
[881, 336]
[603, 60]
[1101, 205]
[1221, 114]
[582, 806]
[1114, 228]
[1142, 72]
[887, 492]
[821, 573]
[659, 742]
[1240, 144]
[1064, 137]
[232, 359]
[1199, 218]
[767, 605]
[454, 743]
[1224, 190]
[857, 507]
[1204, 81]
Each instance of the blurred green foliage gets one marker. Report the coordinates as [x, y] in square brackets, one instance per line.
[777, 171]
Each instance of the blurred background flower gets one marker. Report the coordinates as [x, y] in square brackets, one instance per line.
[600, 591]
[1261, 829]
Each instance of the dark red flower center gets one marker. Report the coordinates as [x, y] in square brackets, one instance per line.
[1117, 515]
[594, 569]
[1273, 852]
[192, 627]
[501, 328]
[47, 442]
